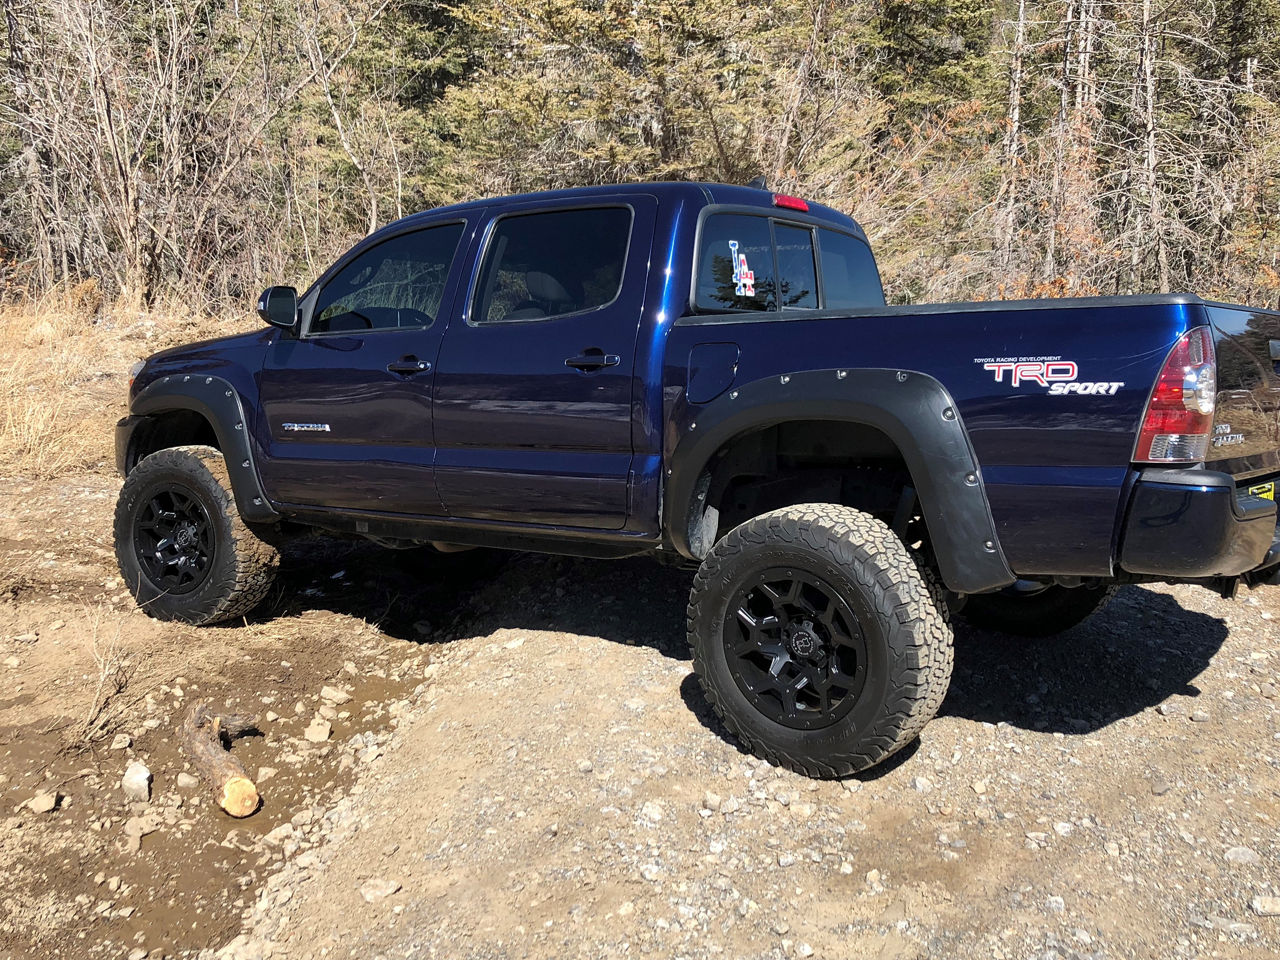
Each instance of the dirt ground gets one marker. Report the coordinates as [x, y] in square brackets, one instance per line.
[525, 767]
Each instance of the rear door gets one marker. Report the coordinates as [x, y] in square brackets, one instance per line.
[1246, 439]
[347, 404]
[534, 391]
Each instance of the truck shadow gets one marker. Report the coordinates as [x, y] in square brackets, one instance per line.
[1143, 648]
[426, 597]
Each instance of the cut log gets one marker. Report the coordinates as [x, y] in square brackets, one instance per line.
[203, 738]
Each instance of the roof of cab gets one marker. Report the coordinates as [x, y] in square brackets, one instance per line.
[704, 193]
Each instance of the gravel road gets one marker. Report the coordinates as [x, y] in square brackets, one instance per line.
[526, 768]
[559, 789]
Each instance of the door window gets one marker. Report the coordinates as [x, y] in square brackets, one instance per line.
[396, 285]
[543, 265]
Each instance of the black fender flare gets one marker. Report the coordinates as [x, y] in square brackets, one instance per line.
[218, 401]
[913, 409]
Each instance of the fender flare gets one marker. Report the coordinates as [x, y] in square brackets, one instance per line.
[913, 409]
[218, 402]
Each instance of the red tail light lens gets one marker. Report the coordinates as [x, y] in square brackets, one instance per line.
[1179, 417]
[789, 203]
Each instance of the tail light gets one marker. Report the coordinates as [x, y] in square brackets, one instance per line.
[786, 202]
[1179, 417]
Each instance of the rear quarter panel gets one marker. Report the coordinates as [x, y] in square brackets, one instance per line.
[1056, 467]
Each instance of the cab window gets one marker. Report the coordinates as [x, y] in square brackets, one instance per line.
[735, 264]
[849, 275]
[797, 276]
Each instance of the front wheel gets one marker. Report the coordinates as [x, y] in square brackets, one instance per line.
[183, 550]
[818, 640]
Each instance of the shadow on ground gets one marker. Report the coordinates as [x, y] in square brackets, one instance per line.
[1143, 648]
[426, 597]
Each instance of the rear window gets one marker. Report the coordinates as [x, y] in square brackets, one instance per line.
[798, 287]
[735, 267]
[542, 265]
[748, 262]
[849, 275]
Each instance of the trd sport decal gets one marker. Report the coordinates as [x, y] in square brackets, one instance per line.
[1059, 377]
[744, 279]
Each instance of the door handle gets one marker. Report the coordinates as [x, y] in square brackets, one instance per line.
[593, 359]
[408, 366]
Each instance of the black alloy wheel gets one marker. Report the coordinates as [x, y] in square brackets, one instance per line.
[173, 539]
[819, 639]
[184, 551]
[795, 649]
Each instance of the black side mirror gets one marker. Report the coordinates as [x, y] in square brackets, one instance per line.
[279, 307]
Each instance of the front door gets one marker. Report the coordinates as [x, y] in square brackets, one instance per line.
[534, 392]
[347, 404]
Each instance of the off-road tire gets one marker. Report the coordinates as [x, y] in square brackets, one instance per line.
[1053, 610]
[898, 608]
[242, 567]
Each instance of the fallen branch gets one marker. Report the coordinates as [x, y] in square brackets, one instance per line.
[202, 737]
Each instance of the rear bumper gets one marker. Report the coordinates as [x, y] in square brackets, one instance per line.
[1194, 524]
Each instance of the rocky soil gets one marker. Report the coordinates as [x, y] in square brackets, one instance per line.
[525, 767]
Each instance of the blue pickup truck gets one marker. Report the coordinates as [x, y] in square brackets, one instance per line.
[709, 374]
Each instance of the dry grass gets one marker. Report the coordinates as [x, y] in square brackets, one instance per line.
[64, 366]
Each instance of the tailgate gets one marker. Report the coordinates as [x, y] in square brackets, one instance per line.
[1246, 438]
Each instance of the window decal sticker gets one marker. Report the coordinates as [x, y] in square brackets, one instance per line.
[744, 279]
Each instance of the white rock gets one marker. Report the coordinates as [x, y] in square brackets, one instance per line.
[318, 731]
[651, 811]
[1266, 906]
[921, 784]
[122, 741]
[46, 801]
[377, 889]
[334, 695]
[1241, 855]
[186, 781]
[136, 782]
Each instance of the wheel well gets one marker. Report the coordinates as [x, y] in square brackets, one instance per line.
[807, 461]
[174, 428]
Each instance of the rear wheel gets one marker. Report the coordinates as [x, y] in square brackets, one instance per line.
[183, 550]
[1036, 613]
[818, 640]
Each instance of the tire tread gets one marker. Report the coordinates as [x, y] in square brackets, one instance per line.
[905, 595]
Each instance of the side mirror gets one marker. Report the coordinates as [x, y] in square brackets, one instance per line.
[279, 307]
